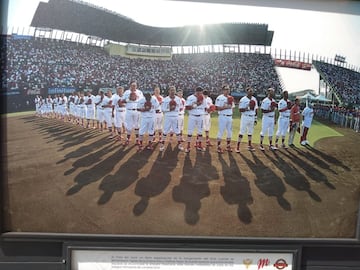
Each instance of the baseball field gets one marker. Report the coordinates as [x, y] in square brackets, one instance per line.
[62, 178]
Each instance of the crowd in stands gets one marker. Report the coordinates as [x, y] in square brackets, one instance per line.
[345, 82]
[342, 116]
[45, 63]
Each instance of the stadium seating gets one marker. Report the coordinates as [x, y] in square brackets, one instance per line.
[45, 63]
[345, 82]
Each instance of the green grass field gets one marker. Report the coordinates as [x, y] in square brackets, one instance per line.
[316, 132]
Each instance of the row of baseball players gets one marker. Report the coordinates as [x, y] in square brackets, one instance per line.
[131, 111]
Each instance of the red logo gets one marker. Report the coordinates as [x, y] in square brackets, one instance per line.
[280, 264]
[262, 263]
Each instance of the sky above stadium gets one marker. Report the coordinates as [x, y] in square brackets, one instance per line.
[319, 33]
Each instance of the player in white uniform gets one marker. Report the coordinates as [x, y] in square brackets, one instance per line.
[49, 106]
[77, 109]
[37, 104]
[224, 105]
[147, 105]
[196, 105]
[71, 105]
[284, 107]
[207, 116]
[248, 107]
[107, 105]
[56, 101]
[82, 109]
[307, 114]
[171, 106]
[159, 116]
[90, 109]
[63, 107]
[119, 112]
[100, 110]
[268, 106]
[181, 117]
[132, 117]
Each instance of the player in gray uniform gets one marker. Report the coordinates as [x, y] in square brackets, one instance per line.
[248, 108]
[284, 107]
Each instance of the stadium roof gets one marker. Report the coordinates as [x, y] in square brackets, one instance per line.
[81, 17]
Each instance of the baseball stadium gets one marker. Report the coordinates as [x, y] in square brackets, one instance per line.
[66, 171]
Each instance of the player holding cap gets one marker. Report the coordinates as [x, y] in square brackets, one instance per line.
[159, 116]
[268, 107]
[284, 108]
[248, 108]
[180, 93]
[224, 105]
[148, 105]
[132, 118]
[210, 107]
[119, 111]
[294, 121]
[196, 105]
[171, 107]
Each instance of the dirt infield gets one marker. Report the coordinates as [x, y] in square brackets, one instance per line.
[66, 179]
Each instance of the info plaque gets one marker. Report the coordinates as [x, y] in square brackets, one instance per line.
[171, 260]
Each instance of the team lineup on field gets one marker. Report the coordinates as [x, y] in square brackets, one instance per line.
[133, 113]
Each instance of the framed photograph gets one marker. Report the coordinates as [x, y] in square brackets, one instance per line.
[121, 125]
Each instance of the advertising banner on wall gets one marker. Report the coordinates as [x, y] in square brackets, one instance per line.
[61, 90]
[292, 64]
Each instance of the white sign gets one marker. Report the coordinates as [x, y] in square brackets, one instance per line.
[146, 260]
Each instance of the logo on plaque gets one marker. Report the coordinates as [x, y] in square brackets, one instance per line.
[247, 262]
[262, 263]
[280, 264]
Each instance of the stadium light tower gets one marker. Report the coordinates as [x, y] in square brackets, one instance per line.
[340, 59]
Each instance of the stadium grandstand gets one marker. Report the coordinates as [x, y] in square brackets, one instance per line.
[112, 50]
[343, 83]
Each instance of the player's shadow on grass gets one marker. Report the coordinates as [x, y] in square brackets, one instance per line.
[267, 181]
[157, 180]
[96, 172]
[92, 158]
[75, 140]
[236, 189]
[292, 176]
[328, 158]
[30, 118]
[194, 185]
[84, 150]
[309, 169]
[53, 130]
[319, 162]
[127, 174]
